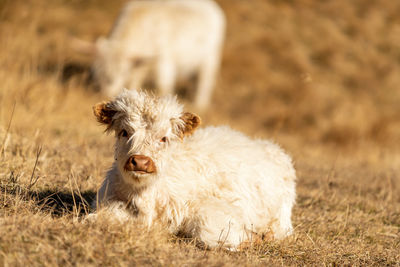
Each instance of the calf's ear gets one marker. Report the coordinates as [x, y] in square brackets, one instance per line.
[104, 112]
[190, 123]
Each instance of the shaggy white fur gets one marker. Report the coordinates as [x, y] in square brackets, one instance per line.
[214, 184]
[162, 40]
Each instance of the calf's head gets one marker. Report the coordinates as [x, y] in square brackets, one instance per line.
[145, 127]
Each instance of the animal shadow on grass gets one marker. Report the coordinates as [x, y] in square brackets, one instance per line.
[82, 73]
[78, 72]
[56, 203]
[63, 203]
[69, 71]
[183, 89]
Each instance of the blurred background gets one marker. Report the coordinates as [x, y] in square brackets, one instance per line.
[319, 77]
[320, 71]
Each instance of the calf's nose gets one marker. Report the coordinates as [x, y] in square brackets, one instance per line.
[140, 163]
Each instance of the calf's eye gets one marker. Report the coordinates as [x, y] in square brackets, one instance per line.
[164, 139]
[123, 133]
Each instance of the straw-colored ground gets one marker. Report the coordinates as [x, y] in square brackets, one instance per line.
[320, 77]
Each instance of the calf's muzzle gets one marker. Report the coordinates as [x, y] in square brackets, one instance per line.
[140, 164]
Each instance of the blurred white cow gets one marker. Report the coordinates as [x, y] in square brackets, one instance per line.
[165, 40]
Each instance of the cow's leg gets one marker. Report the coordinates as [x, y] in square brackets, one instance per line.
[119, 79]
[138, 77]
[207, 75]
[165, 76]
[282, 227]
[220, 225]
[115, 87]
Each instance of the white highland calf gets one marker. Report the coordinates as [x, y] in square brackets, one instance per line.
[166, 41]
[214, 183]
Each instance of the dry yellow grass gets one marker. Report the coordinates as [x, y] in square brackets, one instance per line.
[320, 77]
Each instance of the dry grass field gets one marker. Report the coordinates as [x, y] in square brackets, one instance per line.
[320, 77]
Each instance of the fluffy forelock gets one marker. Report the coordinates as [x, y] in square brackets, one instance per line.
[140, 107]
